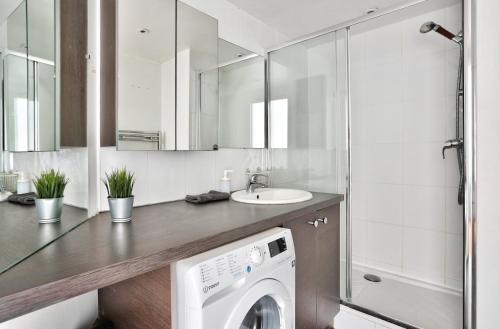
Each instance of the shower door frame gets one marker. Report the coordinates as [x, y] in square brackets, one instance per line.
[470, 138]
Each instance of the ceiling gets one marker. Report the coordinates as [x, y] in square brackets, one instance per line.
[294, 18]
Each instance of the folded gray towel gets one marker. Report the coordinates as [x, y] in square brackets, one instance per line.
[211, 196]
[27, 199]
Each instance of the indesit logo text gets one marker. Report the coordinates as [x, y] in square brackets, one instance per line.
[206, 289]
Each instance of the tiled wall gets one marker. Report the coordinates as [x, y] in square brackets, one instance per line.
[406, 218]
[72, 161]
[166, 176]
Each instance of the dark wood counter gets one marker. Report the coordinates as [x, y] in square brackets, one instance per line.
[99, 253]
[21, 234]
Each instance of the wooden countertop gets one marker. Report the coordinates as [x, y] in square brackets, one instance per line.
[99, 253]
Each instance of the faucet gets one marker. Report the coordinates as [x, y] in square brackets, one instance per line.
[452, 144]
[253, 183]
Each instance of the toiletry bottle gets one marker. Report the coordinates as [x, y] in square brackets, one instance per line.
[225, 182]
[23, 183]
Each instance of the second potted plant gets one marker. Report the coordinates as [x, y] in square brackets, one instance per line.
[50, 187]
[120, 184]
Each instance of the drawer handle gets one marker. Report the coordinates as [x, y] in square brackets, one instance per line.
[323, 220]
[313, 223]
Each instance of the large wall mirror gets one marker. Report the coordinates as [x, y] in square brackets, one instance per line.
[146, 75]
[43, 68]
[29, 69]
[180, 87]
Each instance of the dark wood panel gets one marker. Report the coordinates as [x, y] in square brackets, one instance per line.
[73, 73]
[108, 73]
[142, 302]
[328, 271]
[99, 253]
[304, 239]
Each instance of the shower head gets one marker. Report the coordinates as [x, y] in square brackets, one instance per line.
[431, 26]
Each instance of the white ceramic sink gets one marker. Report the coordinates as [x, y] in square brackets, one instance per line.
[271, 196]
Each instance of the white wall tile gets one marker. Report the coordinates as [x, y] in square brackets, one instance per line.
[454, 212]
[454, 257]
[378, 202]
[423, 164]
[424, 254]
[424, 207]
[383, 244]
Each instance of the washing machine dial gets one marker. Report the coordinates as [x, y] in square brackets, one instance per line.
[256, 256]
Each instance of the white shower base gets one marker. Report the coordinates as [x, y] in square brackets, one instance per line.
[422, 306]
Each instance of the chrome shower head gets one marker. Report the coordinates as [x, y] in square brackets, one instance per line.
[431, 26]
[427, 27]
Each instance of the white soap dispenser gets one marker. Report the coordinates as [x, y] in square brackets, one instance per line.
[225, 182]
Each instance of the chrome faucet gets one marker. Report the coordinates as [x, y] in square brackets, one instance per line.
[453, 144]
[253, 182]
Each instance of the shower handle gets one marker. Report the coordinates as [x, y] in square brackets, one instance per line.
[452, 144]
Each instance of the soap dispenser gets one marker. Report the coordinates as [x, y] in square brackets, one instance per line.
[225, 182]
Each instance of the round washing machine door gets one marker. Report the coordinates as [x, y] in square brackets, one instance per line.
[265, 305]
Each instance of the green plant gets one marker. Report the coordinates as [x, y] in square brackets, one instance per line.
[119, 183]
[50, 184]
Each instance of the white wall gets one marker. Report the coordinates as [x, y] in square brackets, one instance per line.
[487, 26]
[167, 176]
[406, 219]
[75, 313]
[71, 161]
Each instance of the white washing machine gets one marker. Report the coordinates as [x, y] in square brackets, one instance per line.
[248, 284]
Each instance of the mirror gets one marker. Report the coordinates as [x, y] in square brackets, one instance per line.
[242, 97]
[33, 51]
[28, 61]
[146, 75]
[197, 80]
[155, 110]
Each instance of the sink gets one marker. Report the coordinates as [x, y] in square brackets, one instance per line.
[272, 196]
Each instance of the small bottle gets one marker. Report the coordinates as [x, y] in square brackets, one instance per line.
[23, 183]
[225, 182]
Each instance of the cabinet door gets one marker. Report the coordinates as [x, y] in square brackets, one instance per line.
[328, 270]
[304, 238]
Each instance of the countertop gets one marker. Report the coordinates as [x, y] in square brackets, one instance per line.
[99, 253]
[21, 235]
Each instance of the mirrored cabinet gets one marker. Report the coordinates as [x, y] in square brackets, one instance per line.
[43, 74]
[180, 87]
[29, 68]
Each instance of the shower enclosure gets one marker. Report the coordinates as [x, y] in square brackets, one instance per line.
[370, 107]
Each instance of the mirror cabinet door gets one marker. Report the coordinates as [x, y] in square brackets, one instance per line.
[197, 80]
[242, 98]
[29, 75]
[146, 75]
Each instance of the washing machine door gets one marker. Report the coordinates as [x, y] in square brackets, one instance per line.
[265, 305]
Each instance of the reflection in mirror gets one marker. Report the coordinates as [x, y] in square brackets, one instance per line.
[29, 102]
[197, 80]
[146, 75]
[28, 59]
[242, 97]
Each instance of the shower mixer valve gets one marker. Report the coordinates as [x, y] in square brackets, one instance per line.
[452, 144]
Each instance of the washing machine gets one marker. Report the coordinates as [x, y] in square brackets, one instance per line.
[248, 284]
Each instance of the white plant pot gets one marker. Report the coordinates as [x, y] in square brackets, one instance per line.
[121, 209]
[49, 210]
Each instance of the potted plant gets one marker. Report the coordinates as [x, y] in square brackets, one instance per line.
[119, 184]
[49, 188]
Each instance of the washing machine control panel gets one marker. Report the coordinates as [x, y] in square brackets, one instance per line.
[223, 270]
